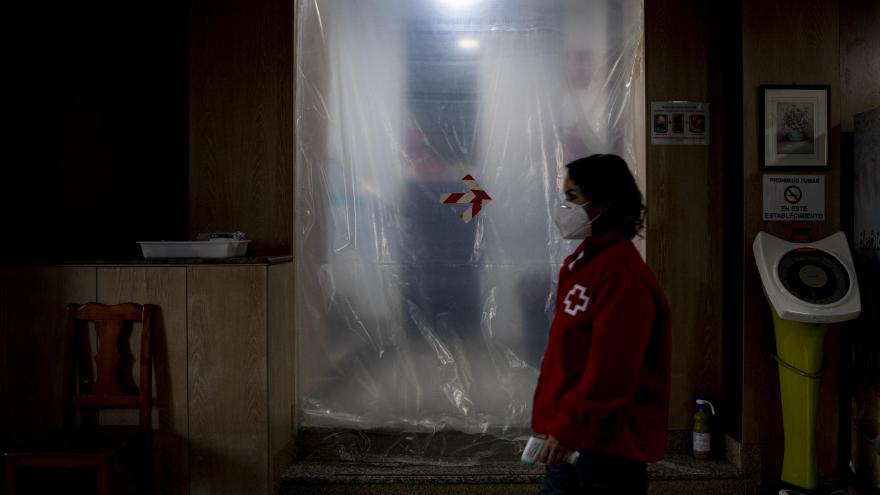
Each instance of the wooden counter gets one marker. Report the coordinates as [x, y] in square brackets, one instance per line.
[223, 361]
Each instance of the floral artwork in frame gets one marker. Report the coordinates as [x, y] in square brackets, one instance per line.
[795, 127]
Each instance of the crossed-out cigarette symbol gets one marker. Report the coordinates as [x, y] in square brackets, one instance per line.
[793, 194]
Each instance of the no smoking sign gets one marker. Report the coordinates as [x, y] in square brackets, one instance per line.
[794, 198]
[793, 194]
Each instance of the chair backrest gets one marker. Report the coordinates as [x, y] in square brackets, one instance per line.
[104, 379]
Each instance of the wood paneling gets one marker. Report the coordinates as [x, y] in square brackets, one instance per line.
[164, 287]
[241, 121]
[223, 362]
[785, 42]
[228, 392]
[4, 360]
[684, 210]
[36, 313]
[282, 368]
[859, 59]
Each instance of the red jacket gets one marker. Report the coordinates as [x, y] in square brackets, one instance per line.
[604, 382]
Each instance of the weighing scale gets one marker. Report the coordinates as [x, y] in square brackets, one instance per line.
[808, 285]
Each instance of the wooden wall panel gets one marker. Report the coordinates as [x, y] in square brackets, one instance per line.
[36, 316]
[684, 210]
[785, 42]
[164, 287]
[282, 368]
[228, 392]
[859, 59]
[4, 370]
[241, 121]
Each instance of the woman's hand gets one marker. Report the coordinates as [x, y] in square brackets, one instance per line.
[553, 452]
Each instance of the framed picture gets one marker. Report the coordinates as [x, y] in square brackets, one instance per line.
[794, 127]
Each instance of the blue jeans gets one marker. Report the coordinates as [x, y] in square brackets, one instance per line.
[596, 475]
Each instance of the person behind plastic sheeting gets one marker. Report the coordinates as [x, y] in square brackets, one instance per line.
[604, 383]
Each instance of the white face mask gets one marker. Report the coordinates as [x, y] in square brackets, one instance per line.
[573, 221]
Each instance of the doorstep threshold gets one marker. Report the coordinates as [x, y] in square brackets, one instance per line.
[466, 471]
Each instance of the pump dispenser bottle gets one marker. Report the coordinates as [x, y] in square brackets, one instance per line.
[702, 432]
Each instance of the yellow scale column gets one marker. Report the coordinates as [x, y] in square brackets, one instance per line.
[799, 347]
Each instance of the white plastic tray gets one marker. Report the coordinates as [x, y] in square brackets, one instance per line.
[216, 248]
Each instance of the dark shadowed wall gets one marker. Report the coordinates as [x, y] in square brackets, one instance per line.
[97, 153]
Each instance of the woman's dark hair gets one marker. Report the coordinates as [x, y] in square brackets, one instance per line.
[607, 181]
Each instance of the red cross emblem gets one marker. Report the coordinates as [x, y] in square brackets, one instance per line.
[576, 300]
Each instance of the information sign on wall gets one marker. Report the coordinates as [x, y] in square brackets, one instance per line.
[794, 198]
[679, 122]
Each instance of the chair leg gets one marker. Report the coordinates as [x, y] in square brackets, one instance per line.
[104, 478]
[10, 468]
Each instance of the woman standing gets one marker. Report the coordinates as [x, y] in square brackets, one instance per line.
[604, 383]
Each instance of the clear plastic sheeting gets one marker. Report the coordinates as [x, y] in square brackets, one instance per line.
[408, 318]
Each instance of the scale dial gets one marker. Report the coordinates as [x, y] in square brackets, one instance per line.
[813, 276]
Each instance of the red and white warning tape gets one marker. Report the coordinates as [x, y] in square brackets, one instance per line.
[476, 196]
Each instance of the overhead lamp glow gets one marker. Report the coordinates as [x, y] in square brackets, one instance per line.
[468, 44]
[456, 4]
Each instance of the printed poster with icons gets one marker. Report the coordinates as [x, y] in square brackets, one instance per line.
[679, 122]
[794, 198]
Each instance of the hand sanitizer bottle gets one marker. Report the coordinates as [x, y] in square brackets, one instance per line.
[533, 448]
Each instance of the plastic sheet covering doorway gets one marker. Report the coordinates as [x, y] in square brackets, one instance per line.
[409, 318]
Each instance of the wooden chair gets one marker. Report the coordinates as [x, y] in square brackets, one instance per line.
[83, 442]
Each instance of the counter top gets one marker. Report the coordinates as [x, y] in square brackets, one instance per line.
[244, 260]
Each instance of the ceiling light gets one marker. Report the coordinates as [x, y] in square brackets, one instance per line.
[456, 4]
[468, 44]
